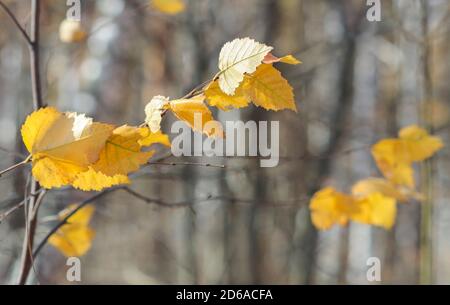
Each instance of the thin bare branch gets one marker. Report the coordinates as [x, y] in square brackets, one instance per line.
[16, 22]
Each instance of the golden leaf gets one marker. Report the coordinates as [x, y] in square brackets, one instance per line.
[419, 145]
[376, 209]
[268, 89]
[150, 138]
[330, 207]
[75, 237]
[62, 145]
[196, 114]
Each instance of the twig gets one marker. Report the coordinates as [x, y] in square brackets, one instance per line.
[4, 215]
[16, 22]
[15, 166]
[187, 164]
[64, 220]
[31, 219]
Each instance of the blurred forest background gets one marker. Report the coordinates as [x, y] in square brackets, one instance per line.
[360, 81]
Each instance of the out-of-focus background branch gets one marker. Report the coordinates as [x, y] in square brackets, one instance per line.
[360, 81]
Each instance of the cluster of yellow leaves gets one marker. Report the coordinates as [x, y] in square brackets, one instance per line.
[75, 237]
[71, 149]
[373, 200]
[246, 75]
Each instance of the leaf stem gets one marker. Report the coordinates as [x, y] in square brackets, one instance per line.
[15, 166]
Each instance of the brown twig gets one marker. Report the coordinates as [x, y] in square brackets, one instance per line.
[4, 215]
[16, 22]
[15, 166]
[31, 219]
[188, 164]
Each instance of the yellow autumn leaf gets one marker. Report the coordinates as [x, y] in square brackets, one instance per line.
[236, 58]
[196, 114]
[419, 145]
[288, 59]
[376, 209]
[122, 152]
[171, 7]
[330, 207]
[393, 161]
[71, 31]
[267, 88]
[75, 237]
[150, 138]
[394, 157]
[217, 98]
[62, 145]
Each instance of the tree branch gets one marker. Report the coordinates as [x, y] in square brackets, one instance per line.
[31, 208]
[16, 22]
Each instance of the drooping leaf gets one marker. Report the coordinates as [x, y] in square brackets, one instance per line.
[376, 209]
[418, 143]
[196, 114]
[75, 237]
[394, 157]
[267, 88]
[150, 138]
[330, 207]
[236, 58]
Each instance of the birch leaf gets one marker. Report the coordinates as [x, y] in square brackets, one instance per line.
[268, 89]
[62, 145]
[196, 114]
[75, 237]
[236, 58]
